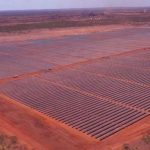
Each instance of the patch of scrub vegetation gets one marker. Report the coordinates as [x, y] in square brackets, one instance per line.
[146, 138]
[91, 20]
[10, 143]
[128, 147]
[142, 143]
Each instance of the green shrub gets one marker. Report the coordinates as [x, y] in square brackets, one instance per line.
[126, 147]
[10, 143]
[146, 138]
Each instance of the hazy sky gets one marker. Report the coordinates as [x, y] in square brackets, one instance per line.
[53, 4]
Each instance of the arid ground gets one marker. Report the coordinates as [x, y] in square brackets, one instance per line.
[78, 88]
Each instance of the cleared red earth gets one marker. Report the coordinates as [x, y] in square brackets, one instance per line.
[93, 87]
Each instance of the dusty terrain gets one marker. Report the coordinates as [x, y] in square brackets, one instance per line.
[54, 83]
[20, 21]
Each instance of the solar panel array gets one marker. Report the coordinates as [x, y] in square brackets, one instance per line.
[22, 57]
[98, 98]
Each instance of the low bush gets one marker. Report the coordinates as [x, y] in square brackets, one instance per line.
[10, 143]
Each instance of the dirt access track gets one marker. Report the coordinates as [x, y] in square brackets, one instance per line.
[84, 91]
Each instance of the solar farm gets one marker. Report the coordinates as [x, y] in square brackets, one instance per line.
[97, 84]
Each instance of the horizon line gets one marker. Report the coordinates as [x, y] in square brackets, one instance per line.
[40, 9]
